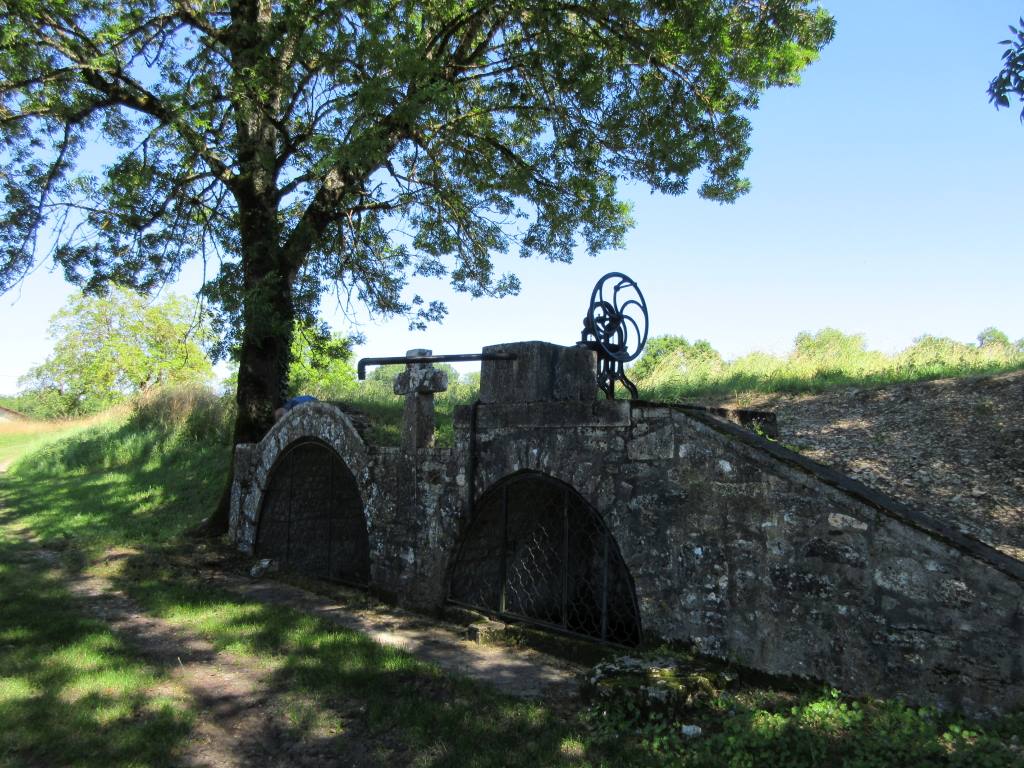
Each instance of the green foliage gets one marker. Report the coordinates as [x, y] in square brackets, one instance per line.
[819, 361]
[1010, 80]
[751, 727]
[330, 94]
[993, 337]
[316, 146]
[110, 346]
[682, 354]
[130, 478]
[321, 364]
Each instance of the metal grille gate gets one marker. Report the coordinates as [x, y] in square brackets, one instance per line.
[312, 518]
[538, 552]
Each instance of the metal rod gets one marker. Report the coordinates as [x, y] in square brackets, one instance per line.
[604, 588]
[565, 558]
[361, 365]
[503, 592]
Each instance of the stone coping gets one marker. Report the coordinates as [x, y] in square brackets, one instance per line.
[880, 501]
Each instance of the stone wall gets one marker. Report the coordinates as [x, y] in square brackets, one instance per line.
[752, 553]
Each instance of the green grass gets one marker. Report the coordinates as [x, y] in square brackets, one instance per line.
[139, 481]
[18, 438]
[378, 401]
[135, 479]
[828, 359]
[819, 362]
[70, 693]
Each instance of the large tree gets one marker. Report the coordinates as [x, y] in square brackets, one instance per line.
[114, 344]
[302, 145]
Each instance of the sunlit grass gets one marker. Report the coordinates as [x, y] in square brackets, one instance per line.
[829, 360]
[378, 401]
[22, 436]
[71, 694]
[137, 478]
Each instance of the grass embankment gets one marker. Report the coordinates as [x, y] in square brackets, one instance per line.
[376, 398]
[138, 482]
[678, 371]
[20, 437]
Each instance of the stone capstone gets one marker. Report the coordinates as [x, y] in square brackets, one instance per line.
[420, 380]
[539, 372]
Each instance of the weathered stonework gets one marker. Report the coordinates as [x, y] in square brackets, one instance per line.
[747, 550]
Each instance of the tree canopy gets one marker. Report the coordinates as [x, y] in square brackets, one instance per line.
[299, 147]
[1010, 80]
[116, 344]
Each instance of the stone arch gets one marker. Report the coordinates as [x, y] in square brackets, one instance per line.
[311, 517]
[341, 454]
[537, 551]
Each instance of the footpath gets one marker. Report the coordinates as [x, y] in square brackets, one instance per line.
[240, 713]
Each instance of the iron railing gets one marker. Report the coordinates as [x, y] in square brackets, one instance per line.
[537, 552]
[311, 519]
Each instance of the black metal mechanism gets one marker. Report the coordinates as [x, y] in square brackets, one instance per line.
[361, 365]
[312, 519]
[538, 552]
[616, 328]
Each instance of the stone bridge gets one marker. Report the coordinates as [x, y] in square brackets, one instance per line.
[632, 522]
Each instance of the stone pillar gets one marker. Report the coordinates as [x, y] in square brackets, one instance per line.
[418, 382]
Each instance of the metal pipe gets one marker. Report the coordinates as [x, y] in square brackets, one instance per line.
[361, 365]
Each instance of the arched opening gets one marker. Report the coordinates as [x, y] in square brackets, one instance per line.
[312, 519]
[536, 551]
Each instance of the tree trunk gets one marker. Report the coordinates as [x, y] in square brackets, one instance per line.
[264, 356]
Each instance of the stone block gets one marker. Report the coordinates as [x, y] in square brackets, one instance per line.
[541, 371]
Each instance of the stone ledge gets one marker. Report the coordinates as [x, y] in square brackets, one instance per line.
[880, 501]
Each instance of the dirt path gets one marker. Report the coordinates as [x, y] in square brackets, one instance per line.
[239, 719]
[238, 706]
[521, 672]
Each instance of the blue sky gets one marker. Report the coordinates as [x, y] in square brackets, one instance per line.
[887, 200]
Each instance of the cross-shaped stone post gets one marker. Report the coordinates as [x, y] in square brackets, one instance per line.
[418, 382]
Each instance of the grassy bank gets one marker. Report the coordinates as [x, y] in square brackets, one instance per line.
[21, 437]
[137, 476]
[676, 370]
[139, 480]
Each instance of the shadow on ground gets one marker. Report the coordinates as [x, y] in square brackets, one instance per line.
[71, 692]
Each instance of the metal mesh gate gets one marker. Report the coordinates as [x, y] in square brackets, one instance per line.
[538, 552]
[312, 517]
